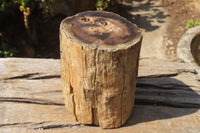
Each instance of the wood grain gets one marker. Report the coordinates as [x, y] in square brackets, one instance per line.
[167, 98]
[99, 67]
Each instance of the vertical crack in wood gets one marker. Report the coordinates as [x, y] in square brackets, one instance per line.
[83, 76]
[112, 108]
[70, 82]
[87, 89]
[74, 107]
[94, 90]
[93, 115]
[137, 58]
[123, 89]
[85, 59]
[71, 89]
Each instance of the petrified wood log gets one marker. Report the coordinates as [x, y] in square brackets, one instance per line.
[99, 66]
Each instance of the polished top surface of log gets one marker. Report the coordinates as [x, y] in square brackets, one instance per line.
[101, 28]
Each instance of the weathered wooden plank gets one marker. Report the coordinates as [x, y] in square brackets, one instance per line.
[143, 119]
[163, 90]
[23, 68]
[167, 98]
[159, 68]
[42, 87]
[182, 90]
[20, 68]
[45, 92]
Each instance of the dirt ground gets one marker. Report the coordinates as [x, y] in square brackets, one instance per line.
[180, 11]
[163, 22]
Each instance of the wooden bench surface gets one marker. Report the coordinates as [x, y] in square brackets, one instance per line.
[167, 99]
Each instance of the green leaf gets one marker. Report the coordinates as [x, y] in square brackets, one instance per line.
[11, 54]
[105, 5]
[6, 52]
[189, 21]
[99, 4]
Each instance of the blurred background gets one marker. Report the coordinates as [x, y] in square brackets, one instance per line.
[30, 28]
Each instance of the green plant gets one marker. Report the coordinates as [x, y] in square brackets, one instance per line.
[27, 5]
[6, 51]
[32, 10]
[191, 23]
[102, 4]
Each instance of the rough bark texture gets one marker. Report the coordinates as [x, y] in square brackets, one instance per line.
[99, 67]
[167, 99]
